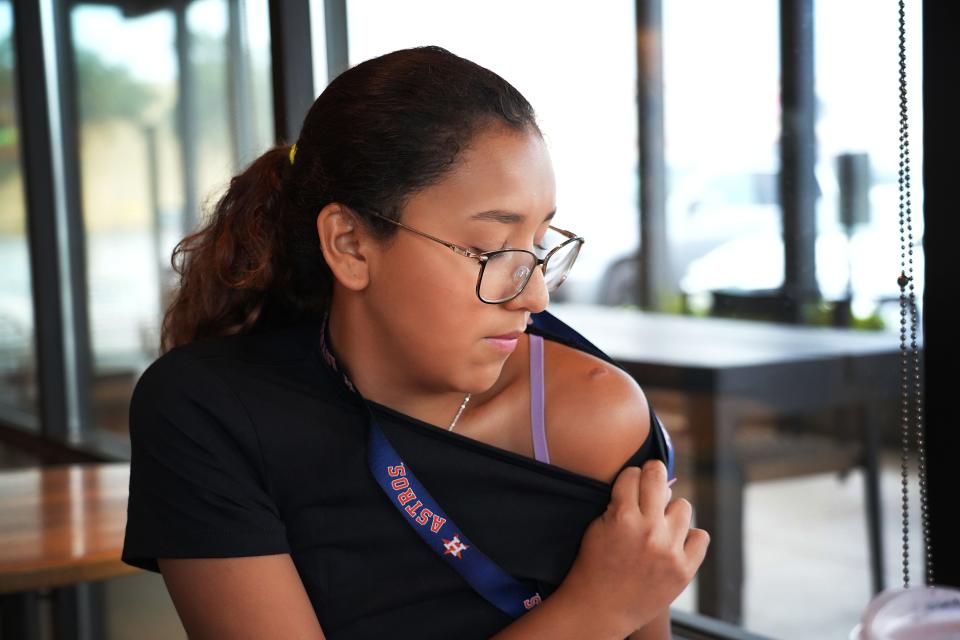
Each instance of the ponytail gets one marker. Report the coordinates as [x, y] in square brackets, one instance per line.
[228, 266]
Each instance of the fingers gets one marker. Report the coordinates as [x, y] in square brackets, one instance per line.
[695, 546]
[626, 488]
[653, 488]
[678, 515]
[647, 488]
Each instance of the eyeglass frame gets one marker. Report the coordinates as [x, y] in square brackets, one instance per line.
[485, 256]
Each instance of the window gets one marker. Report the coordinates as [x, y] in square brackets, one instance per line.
[803, 524]
[171, 105]
[173, 99]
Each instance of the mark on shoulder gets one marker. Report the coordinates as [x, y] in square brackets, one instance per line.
[597, 415]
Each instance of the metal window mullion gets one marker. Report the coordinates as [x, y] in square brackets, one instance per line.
[78, 329]
[240, 96]
[187, 121]
[54, 226]
[798, 187]
[335, 37]
[654, 281]
[292, 65]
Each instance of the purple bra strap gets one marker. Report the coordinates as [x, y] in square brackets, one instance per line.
[536, 399]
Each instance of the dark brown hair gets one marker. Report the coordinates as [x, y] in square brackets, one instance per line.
[379, 132]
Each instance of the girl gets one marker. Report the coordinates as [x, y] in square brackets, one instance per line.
[364, 421]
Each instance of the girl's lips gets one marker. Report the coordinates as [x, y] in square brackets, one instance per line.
[504, 344]
[513, 335]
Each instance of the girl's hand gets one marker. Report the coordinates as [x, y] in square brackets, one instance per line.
[637, 557]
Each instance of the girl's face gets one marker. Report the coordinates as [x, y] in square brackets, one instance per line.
[422, 295]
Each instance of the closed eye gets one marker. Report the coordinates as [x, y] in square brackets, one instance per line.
[537, 245]
[503, 246]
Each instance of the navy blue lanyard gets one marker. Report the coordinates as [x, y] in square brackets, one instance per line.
[422, 512]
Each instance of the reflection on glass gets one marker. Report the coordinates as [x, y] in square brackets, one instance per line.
[18, 390]
[171, 104]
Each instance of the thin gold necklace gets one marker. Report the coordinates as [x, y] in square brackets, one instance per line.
[463, 405]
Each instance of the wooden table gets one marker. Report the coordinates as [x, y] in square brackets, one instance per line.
[61, 527]
[718, 364]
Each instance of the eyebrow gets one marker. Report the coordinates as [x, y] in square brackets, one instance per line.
[506, 217]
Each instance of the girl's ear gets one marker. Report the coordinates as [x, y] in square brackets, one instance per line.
[345, 245]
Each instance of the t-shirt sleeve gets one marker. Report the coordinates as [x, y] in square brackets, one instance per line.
[198, 487]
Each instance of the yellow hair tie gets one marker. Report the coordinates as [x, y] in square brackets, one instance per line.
[293, 152]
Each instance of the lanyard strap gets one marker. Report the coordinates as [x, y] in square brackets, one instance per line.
[422, 512]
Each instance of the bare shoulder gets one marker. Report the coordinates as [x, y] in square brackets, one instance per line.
[243, 597]
[597, 415]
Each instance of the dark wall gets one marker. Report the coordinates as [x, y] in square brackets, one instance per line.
[941, 181]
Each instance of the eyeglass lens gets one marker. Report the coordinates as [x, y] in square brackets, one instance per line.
[505, 274]
[559, 265]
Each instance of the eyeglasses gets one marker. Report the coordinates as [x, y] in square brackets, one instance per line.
[505, 272]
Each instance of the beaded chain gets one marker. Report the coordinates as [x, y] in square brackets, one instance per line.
[908, 301]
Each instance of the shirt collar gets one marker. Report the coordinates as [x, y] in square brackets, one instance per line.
[326, 351]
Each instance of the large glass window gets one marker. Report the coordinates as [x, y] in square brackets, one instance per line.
[776, 468]
[172, 102]
[18, 389]
[806, 518]
[778, 409]
[723, 127]
[858, 130]
[722, 131]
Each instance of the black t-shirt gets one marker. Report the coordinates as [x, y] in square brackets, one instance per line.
[252, 445]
